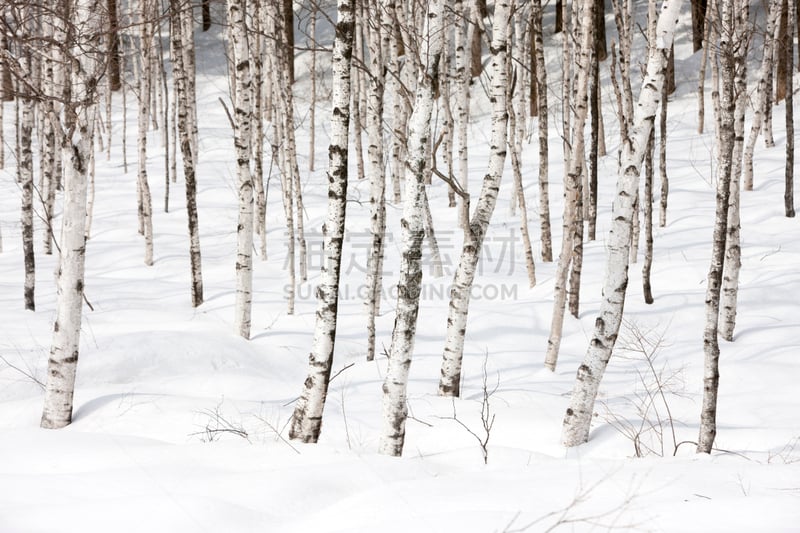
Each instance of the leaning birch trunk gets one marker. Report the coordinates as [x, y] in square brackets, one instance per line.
[578, 417]
[185, 130]
[450, 381]
[575, 170]
[762, 90]
[307, 417]
[542, 114]
[725, 133]
[76, 150]
[395, 409]
[243, 115]
[377, 174]
[733, 251]
[145, 87]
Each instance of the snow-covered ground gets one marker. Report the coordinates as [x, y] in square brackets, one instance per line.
[180, 426]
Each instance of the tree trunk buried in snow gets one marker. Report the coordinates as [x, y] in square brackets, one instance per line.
[578, 417]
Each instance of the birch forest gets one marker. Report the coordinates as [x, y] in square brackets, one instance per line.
[513, 243]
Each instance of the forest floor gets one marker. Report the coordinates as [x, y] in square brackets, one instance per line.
[180, 426]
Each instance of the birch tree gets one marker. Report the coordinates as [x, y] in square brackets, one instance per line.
[575, 171]
[725, 134]
[378, 25]
[307, 417]
[542, 128]
[394, 407]
[475, 232]
[762, 93]
[145, 88]
[242, 122]
[77, 145]
[578, 418]
[733, 252]
[181, 72]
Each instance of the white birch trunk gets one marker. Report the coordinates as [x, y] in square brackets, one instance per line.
[541, 91]
[450, 381]
[25, 178]
[575, 169]
[726, 135]
[307, 418]
[578, 417]
[145, 88]
[377, 175]
[243, 116]
[761, 99]
[733, 251]
[187, 140]
[76, 150]
[395, 409]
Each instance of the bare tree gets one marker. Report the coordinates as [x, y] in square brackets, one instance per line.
[475, 232]
[242, 128]
[395, 410]
[307, 418]
[83, 35]
[575, 171]
[579, 414]
[725, 134]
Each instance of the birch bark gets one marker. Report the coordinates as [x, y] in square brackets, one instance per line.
[575, 170]
[395, 409]
[725, 127]
[578, 418]
[307, 417]
[243, 117]
[450, 381]
[76, 149]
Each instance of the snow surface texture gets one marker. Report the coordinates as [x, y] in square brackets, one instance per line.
[179, 424]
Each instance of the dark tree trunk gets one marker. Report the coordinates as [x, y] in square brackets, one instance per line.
[206, 15]
[600, 47]
[559, 16]
[788, 195]
[114, 62]
[783, 46]
[698, 23]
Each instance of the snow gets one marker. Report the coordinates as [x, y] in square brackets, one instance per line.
[163, 389]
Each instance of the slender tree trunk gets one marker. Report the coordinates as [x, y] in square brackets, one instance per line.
[575, 170]
[145, 88]
[648, 219]
[662, 159]
[450, 381]
[708, 414]
[541, 84]
[307, 418]
[206, 5]
[698, 23]
[312, 110]
[788, 194]
[114, 63]
[183, 90]
[377, 174]
[782, 69]
[395, 409]
[733, 252]
[579, 414]
[25, 178]
[762, 94]
[243, 117]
